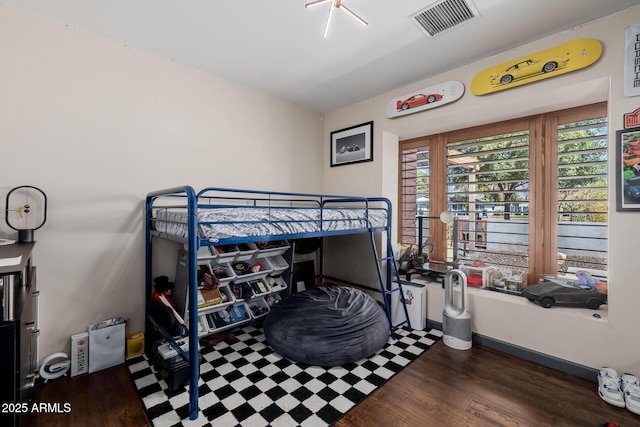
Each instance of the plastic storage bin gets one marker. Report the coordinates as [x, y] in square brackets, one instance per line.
[277, 264]
[272, 248]
[174, 370]
[276, 284]
[246, 251]
[259, 308]
[226, 253]
[478, 276]
[229, 317]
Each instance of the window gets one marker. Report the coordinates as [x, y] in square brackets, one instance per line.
[530, 194]
[414, 192]
[582, 198]
[488, 185]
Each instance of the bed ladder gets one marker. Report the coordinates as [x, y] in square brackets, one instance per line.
[389, 289]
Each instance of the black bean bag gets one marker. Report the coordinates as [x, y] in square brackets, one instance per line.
[327, 326]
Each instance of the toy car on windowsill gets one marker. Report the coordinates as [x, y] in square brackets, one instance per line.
[549, 293]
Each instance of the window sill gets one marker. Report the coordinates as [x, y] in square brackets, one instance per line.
[516, 300]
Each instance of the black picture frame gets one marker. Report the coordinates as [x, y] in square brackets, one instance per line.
[352, 145]
[628, 169]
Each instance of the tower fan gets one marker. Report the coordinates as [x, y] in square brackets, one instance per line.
[456, 320]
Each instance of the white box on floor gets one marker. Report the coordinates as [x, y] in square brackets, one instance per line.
[415, 296]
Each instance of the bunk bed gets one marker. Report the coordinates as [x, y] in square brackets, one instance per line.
[215, 217]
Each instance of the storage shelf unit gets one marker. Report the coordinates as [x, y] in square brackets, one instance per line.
[246, 297]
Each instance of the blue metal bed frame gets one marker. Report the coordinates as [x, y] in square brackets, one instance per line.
[186, 197]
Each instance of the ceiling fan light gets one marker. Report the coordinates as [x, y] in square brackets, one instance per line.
[335, 4]
[353, 14]
[315, 3]
[326, 27]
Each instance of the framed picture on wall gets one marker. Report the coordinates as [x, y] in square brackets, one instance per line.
[352, 145]
[628, 169]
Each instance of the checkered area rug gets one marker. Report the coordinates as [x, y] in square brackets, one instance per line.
[247, 384]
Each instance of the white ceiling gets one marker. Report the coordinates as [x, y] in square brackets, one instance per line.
[276, 46]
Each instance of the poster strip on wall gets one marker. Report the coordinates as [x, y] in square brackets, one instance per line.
[632, 60]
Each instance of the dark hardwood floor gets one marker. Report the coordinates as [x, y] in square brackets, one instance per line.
[484, 387]
[105, 398]
[443, 387]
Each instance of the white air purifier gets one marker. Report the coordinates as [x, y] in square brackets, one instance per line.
[456, 320]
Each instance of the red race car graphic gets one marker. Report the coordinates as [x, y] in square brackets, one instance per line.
[417, 100]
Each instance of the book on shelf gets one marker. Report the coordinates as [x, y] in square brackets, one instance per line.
[237, 313]
[219, 319]
[262, 286]
[209, 297]
[255, 286]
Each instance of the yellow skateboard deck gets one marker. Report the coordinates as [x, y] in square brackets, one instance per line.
[551, 62]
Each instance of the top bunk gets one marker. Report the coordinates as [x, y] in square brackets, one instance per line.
[221, 216]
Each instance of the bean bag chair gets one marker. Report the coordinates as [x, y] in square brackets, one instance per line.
[327, 326]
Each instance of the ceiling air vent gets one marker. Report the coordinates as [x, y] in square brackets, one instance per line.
[443, 15]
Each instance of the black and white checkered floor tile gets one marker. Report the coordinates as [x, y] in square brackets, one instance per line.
[247, 384]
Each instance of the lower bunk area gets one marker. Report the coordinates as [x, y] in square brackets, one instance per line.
[243, 381]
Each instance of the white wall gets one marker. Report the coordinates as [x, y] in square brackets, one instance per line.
[570, 334]
[97, 125]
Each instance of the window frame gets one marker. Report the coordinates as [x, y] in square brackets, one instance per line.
[543, 182]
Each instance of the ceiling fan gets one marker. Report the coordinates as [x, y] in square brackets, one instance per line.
[335, 4]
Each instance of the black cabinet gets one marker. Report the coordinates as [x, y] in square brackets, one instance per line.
[18, 329]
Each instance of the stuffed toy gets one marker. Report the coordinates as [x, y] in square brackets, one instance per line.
[585, 279]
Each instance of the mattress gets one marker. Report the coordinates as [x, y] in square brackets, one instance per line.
[220, 223]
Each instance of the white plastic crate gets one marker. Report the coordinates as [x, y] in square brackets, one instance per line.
[206, 252]
[276, 284]
[258, 308]
[272, 299]
[245, 251]
[226, 253]
[202, 325]
[226, 273]
[277, 264]
[265, 269]
[267, 249]
[232, 315]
